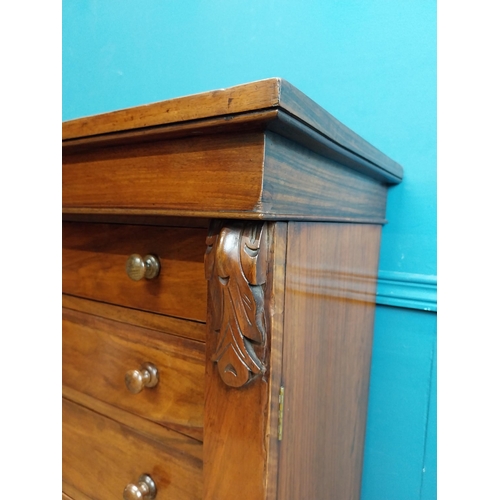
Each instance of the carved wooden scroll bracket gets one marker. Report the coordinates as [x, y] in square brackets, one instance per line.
[236, 269]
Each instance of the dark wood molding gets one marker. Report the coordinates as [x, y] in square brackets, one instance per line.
[272, 104]
[236, 269]
[262, 151]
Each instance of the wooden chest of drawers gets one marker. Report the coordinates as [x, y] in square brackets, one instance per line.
[220, 255]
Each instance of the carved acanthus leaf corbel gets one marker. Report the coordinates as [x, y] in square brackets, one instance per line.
[236, 269]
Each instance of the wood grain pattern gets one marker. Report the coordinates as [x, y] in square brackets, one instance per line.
[138, 220]
[227, 124]
[94, 257]
[166, 324]
[146, 428]
[236, 269]
[298, 180]
[329, 310]
[263, 95]
[113, 455]
[66, 497]
[123, 213]
[237, 452]
[248, 97]
[75, 494]
[176, 174]
[249, 175]
[298, 104]
[275, 300]
[97, 353]
[297, 131]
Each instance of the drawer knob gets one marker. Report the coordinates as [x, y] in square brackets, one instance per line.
[138, 268]
[145, 489]
[136, 380]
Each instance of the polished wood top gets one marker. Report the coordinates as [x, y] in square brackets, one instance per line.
[273, 102]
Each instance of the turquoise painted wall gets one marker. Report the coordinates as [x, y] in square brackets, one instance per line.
[372, 64]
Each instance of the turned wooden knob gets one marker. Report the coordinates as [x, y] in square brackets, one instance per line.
[138, 267]
[144, 489]
[146, 376]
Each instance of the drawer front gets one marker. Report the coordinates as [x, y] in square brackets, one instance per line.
[97, 353]
[95, 255]
[211, 173]
[101, 456]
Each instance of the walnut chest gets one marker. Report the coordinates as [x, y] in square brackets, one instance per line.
[220, 255]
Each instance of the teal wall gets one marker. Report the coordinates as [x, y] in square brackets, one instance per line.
[372, 64]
